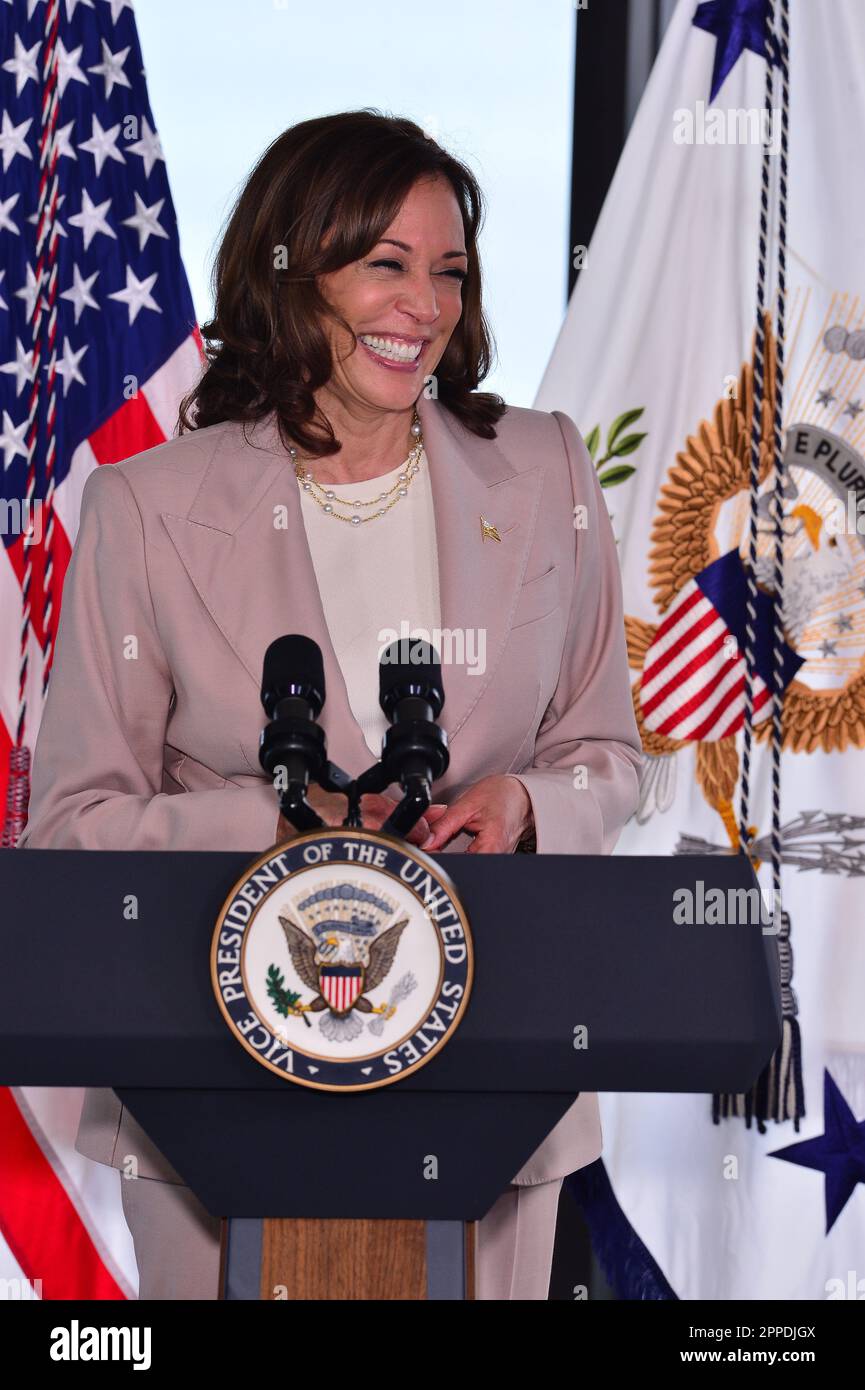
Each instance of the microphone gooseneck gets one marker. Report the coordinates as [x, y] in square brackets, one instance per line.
[292, 746]
[415, 750]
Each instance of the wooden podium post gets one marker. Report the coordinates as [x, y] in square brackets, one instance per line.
[352, 1259]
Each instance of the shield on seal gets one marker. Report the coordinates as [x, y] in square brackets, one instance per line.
[341, 985]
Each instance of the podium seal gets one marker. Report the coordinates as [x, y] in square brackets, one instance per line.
[342, 959]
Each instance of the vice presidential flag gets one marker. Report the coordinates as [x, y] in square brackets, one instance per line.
[98, 342]
[655, 362]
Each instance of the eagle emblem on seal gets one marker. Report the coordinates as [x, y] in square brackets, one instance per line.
[344, 949]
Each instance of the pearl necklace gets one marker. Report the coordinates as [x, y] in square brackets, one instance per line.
[325, 497]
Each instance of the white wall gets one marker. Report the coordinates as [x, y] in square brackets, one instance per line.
[490, 79]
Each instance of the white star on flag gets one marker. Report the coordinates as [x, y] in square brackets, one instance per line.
[67, 366]
[91, 219]
[111, 68]
[12, 140]
[79, 292]
[22, 367]
[102, 144]
[12, 439]
[137, 296]
[23, 65]
[146, 221]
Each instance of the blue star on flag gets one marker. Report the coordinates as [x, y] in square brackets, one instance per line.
[736, 25]
[838, 1153]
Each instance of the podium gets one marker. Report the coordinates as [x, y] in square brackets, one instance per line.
[584, 981]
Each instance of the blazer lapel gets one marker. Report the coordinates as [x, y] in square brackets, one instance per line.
[243, 545]
[479, 579]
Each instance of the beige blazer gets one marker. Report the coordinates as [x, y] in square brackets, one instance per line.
[184, 571]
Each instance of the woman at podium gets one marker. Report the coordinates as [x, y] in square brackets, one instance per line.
[347, 342]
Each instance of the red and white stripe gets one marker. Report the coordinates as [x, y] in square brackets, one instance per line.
[340, 991]
[62, 1229]
[693, 682]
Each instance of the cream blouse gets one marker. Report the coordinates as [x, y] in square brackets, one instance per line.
[373, 578]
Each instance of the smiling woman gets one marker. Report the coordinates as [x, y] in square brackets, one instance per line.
[338, 474]
[350, 227]
[412, 301]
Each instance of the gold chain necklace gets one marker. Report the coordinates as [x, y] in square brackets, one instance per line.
[325, 496]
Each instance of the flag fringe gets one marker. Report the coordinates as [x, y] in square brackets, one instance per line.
[779, 1092]
[17, 796]
[628, 1265]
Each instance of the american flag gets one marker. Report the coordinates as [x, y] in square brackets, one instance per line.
[98, 342]
[693, 682]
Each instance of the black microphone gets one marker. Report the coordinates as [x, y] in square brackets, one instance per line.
[293, 670]
[410, 680]
[292, 746]
[415, 751]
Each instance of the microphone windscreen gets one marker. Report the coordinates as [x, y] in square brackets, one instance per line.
[293, 665]
[410, 666]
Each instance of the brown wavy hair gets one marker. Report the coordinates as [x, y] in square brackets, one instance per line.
[321, 196]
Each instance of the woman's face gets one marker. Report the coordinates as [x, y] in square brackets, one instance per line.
[403, 301]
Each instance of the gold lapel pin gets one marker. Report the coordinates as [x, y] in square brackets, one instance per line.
[488, 529]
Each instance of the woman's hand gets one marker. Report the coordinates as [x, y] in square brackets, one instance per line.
[496, 810]
[374, 809]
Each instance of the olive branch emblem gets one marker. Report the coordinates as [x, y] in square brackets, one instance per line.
[618, 446]
[285, 1001]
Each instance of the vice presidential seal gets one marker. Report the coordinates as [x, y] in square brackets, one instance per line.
[342, 960]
